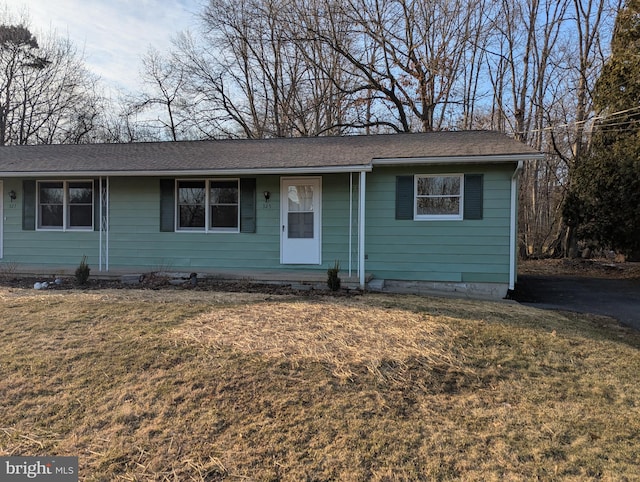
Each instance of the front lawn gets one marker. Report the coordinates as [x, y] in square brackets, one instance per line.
[198, 385]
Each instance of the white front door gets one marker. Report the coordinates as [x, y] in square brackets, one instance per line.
[300, 235]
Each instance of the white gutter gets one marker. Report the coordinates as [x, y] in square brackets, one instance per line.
[361, 217]
[513, 232]
[408, 161]
[191, 172]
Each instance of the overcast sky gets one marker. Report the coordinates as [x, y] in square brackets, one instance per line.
[113, 34]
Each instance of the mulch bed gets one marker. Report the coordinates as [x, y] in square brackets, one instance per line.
[151, 282]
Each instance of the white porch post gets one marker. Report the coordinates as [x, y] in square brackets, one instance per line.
[100, 221]
[104, 224]
[361, 217]
[350, 223]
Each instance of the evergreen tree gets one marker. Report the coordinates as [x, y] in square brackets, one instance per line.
[604, 201]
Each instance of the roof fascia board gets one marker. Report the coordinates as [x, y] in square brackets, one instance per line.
[190, 172]
[456, 159]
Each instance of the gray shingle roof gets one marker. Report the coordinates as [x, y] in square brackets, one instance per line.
[269, 155]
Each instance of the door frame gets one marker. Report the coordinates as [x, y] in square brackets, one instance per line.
[315, 255]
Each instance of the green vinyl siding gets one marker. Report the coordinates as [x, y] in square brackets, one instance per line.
[335, 221]
[138, 243]
[28, 247]
[470, 250]
[448, 251]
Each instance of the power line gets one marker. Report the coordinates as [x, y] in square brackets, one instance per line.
[611, 116]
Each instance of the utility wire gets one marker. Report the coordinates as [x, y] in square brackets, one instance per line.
[611, 116]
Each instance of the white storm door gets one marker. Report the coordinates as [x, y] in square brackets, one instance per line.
[300, 233]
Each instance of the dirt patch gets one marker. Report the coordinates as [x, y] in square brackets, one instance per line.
[587, 268]
[152, 282]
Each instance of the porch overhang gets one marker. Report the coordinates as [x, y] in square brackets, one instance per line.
[191, 172]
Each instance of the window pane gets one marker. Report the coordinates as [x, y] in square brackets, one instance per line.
[191, 207]
[439, 185]
[51, 193]
[438, 195]
[223, 196]
[224, 216]
[224, 192]
[300, 225]
[191, 192]
[300, 198]
[51, 209]
[191, 216]
[80, 192]
[51, 215]
[438, 205]
[80, 215]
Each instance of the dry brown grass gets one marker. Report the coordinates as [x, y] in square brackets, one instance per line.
[342, 335]
[185, 385]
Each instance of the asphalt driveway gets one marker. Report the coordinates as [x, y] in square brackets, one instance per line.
[618, 298]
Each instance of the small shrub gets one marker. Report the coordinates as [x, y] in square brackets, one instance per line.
[333, 280]
[8, 269]
[82, 272]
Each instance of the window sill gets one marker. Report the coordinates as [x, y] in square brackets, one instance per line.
[88, 229]
[438, 218]
[208, 231]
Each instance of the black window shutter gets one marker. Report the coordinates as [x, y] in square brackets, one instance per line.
[28, 205]
[167, 205]
[404, 197]
[473, 196]
[247, 205]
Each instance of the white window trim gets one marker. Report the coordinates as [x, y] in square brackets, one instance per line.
[438, 217]
[207, 203]
[65, 207]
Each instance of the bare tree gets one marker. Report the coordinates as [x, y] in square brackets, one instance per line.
[407, 56]
[475, 51]
[46, 94]
[538, 215]
[163, 99]
[119, 123]
[250, 75]
[539, 74]
[311, 67]
[573, 113]
[62, 104]
[19, 59]
[270, 77]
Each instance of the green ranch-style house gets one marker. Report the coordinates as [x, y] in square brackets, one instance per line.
[413, 212]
